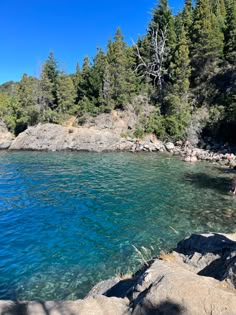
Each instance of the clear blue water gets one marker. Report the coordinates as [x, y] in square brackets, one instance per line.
[68, 220]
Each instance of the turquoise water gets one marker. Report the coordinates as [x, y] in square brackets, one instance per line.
[68, 220]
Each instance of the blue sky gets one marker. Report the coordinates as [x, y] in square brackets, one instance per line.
[70, 28]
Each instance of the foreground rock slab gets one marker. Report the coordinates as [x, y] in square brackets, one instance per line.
[99, 305]
[197, 278]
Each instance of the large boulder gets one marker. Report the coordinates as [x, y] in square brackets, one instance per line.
[211, 255]
[198, 277]
[168, 288]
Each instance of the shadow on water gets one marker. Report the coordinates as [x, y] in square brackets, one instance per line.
[226, 170]
[206, 181]
[8, 292]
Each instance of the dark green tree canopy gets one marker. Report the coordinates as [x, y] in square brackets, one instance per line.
[185, 62]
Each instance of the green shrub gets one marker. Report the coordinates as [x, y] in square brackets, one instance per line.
[139, 132]
[155, 124]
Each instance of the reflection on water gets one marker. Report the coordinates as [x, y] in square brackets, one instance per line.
[68, 220]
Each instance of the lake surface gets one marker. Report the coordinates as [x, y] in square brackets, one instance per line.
[68, 220]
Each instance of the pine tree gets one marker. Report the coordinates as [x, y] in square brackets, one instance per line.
[85, 87]
[97, 75]
[77, 78]
[163, 20]
[65, 93]
[85, 90]
[27, 97]
[207, 39]
[176, 100]
[188, 17]
[51, 69]
[106, 93]
[179, 24]
[219, 9]
[118, 66]
[47, 98]
[133, 79]
[143, 46]
[49, 76]
[181, 67]
[230, 33]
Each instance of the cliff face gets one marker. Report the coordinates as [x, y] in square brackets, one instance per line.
[197, 278]
[6, 137]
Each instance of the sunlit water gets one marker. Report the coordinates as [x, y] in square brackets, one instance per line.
[68, 220]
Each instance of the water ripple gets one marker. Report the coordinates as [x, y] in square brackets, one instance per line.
[68, 220]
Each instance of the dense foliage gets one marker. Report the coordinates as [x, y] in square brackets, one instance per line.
[184, 64]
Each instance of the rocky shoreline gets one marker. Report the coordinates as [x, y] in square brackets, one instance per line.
[51, 137]
[197, 278]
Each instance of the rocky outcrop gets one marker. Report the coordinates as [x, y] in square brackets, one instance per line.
[106, 132]
[53, 137]
[197, 278]
[6, 137]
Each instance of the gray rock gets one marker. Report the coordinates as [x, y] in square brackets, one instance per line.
[194, 159]
[99, 305]
[197, 278]
[212, 255]
[169, 146]
[51, 137]
[102, 287]
[159, 145]
[5, 145]
[169, 288]
[5, 137]
[188, 158]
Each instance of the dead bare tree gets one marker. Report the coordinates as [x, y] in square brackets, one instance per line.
[154, 67]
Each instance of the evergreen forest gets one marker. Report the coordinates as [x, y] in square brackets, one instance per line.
[184, 67]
